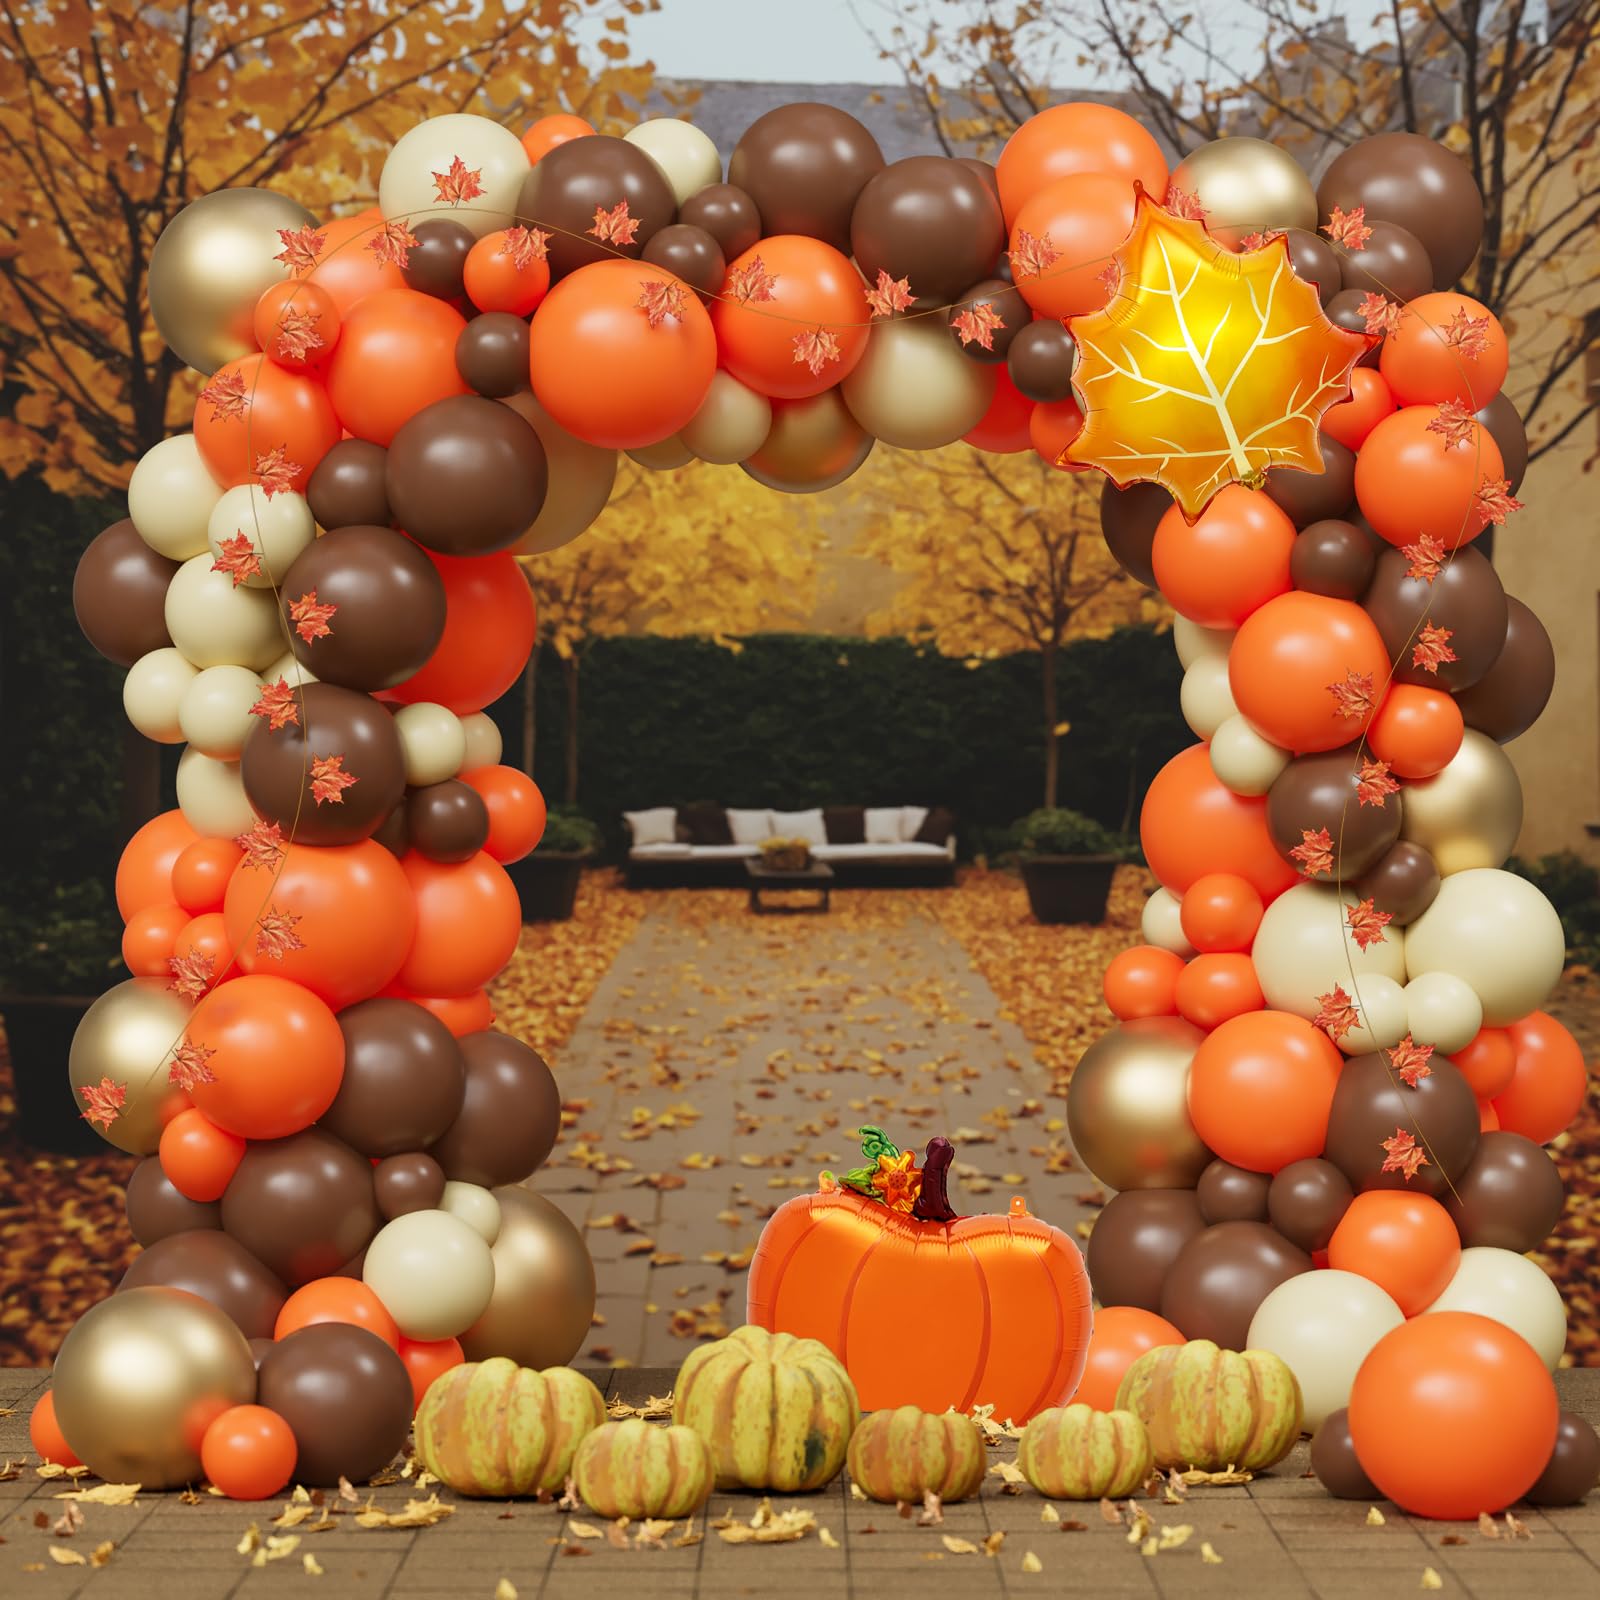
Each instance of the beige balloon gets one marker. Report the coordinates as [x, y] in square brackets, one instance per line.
[139, 1377]
[433, 1272]
[473, 1205]
[665, 455]
[1303, 948]
[1194, 643]
[210, 266]
[291, 669]
[431, 740]
[1243, 761]
[686, 156]
[211, 796]
[1204, 696]
[1442, 1011]
[153, 691]
[278, 526]
[1380, 1005]
[484, 744]
[214, 713]
[1512, 1290]
[543, 1301]
[171, 496]
[812, 445]
[914, 389]
[217, 625]
[1247, 186]
[733, 422]
[408, 189]
[581, 479]
[128, 1035]
[1468, 815]
[1161, 923]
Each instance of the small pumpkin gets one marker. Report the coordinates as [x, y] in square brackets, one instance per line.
[495, 1429]
[1211, 1408]
[906, 1453]
[1077, 1453]
[776, 1411]
[638, 1469]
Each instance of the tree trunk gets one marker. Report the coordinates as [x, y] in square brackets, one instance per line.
[530, 707]
[1052, 740]
[569, 671]
[141, 783]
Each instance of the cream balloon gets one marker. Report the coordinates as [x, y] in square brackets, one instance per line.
[128, 1035]
[278, 526]
[1512, 1290]
[1303, 948]
[1247, 186]
[1194, 642]
[432, 1271]
[1323, 1325]
[214, 713]
[153, 691]
[1468, 815]
[484, 744]
[290, 669]
[665, 455]
[216, 625]
[1498, 934]
[1205, 698]
[812, 445]
[733, 422]
[408, 186]
[171, 496]
[1242, 760]
[432, 742]
[1380, 1004]
[685, 154]
[475, 1206]
[211, 796]
[1161, 923]
[914, 389]
[1442, 1011]
[581, 477]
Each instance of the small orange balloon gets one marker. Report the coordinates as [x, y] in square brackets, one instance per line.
[1140, 982]
[45, 1435]
[1053, 425]
[1084, 219]
[1006, 429]
[461, 1014]
[144, 872]
[544, 135]
[199, 1158]
[1400, 1240]
[346, 268]
[1487, 1061]
[1408, 484]
[1220, 912]
[207, 935]
[200, 874]
[248, 1453]
[1229, 562]
[516, 810]
[396, 355]
[1121, 1334]
[297, 324]
[427, 1360]
[1350, 421]
[346, 1300]
[149, 939]
[1213, 988]
[1417, 730]
[1077, 136]
[252, 408]
[1547, 1084]
[497, 278]
[468, 921]
[1488, 1117]
[1425, 361]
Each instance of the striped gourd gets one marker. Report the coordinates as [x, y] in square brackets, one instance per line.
[1078, 1453]
[639, 1469]
[906, 1453]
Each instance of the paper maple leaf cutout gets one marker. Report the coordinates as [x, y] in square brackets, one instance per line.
[238, 557]
[1367, 923]
[1109, 277]
[889, 295]
[104, 1102]
[1348, 228]
[525, 246]
[1208, 367]
[189, 1069]
[1260, 240]
[1466, 333]
[816, 348]
[977, 324]
[1031, 257]
[1410, 1060]
[1432, 648]
[310, 617]
[262, 845]
[1426, 557]
[226, 396]
[393, 242]
[1314, 852]
[275, 472]
[1336, 1012]
[1382, 315]
[614, 226]
[329, 780]
[301, 247]
[1496, 501]
[1454, 424]
[1353, 697]
[660, 299]
[1181, 203]
[457, 182]
[750, 282]
[1374, 784]
[297, 334]
[275, 935]
[1402, 1154]
[191, 974]
[278, 705]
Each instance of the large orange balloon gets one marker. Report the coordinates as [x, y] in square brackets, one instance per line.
[1400, 1240]
[274, 409]
[1409, 483]
[144, 872]
[544, 135]
[603, 372]
[1212, 988]
[1417, 730]
[1423, 365]
[1488, 1061]
[1192, 824]
[347, 269]
[200, 875]
[1220, 912]
[1261, 1087]
[1006, 427]
[1548, 1082]
[516, 810]
[429, 1359]
[1287, 659]
[346, 1300]
[1084, 219]
[1230, 561]
[1452, 1415]
[1141, 982]
[1121, 1334]
[468, 921]
[1077, 136]
[1350, 421]
[198, 1158]
[149, 939]
[396, 354]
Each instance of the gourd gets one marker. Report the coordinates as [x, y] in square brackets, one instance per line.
[638, 1469]
[1077, 1453]
[906, 1454]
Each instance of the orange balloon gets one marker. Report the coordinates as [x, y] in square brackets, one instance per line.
[200, 874]
[297, 324]
[1287, 657]
[277, 1056]
[1006, 429]
[1220, 912]
[427, 1360]
[1548, 1082]
[148, 940]
[1077, 136]
[199, 1158]
[144, 872]
[1400, 1240]
[516, 810]
[1140, 982]
[279, 410]
[494, 280]
[1350, 421]
[354, 917]
[249, 1453]
[45, 1435]
[1229, 562]
[207, 935]
[1421, 364]
[468, 922]
[1191, 824]
[1453, 1415]
[1417, 730]
[1053, 425]
[1086, 218]
[544, 135]
[1213, 988]
[1488, 1117]
[1487, 1061]
[396, 355]
[346, 1300]
[346, 267]
[488, 632]
[1409, 484]
[460, 1013]
[813, 287]
[1121, 1334]
[1261, 1087]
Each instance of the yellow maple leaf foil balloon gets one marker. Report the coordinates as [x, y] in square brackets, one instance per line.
[1207, 367]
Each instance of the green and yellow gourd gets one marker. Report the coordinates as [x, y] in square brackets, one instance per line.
[637, 1469]
[1078, 1453]
[907, 1454]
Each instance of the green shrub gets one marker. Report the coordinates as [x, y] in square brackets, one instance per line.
[1064, 833]
[1572, 886]
[63, 939]
[567, 830]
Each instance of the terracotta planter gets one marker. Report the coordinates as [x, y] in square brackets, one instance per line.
[547, 883]
[1068, 888]
[39, 1030]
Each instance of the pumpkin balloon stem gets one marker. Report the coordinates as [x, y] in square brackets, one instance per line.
[933, 1199]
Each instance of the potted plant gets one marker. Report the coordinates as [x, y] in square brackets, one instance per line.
[1067, 862]
[547, 880]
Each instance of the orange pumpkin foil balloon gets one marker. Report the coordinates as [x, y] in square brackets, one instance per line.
[923, 1307]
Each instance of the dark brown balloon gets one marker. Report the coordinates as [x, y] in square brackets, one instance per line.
[689, 253]
[302, 1205]
[403, 1082]
[279, 766]
[1041, 360]
[156, 1209]
[1006, 304]
[1391, 262]
[346, 1397]
[390, 600]
[1320, 791]
[510, 1117]
[393, 833]
[435, 263]
[1510, 1196]
[1370, 1103]
[412, 1182]
[1231, 1194]
[1414, 181]
[805, 165]
[447, 821]
[1128, 519]
[930, 220]
[466, 476]
[1333, 1459]
[1403, 883]
[1505, 427]
[217, 1268]
[1343, 310]
[119, 595]
[1334, 558]
[1134, 1242]
[568, 183]
[1315, 261]
[1307, 1200]
[1466, 597]
[1222, 1276]
[986, 173]
[1574, 1466]
[492, 354]
[1306, 497]
[347, 489]
[1508, 699]
[727, 213]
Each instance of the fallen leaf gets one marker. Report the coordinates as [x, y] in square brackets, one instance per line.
[505, 1590]
[1487, 1526]
[103, 1494]
[102, 1552]
[1110, 1512]
[932, 1513]
[1208, 1555]
[1175, 1536]
[68, 1522]
[276, 1547]
[826, 1539]
[991, 1545]
[1516, 1529]
[1048, 1513]
[1375, 1518]
[1431, 1579]
[311, 1564]
[63, 1557]
[958, 1547]
[417, 1514]
[1031, 1562]
[584, 1530]
[249, 1540]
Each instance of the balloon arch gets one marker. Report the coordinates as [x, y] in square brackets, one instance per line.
[1325, 1101]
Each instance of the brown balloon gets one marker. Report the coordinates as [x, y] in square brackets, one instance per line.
[1391, 262]
[1306, 1201]
[1466, 597]
[1334, 558]
[1403, 883]
[1306, 497]
[466, 475]
[390, 600]
[346, 1397]
[156, 1209]
[805, 165]
[986, 173]
[119, 595]
[1314, 260]
[447, 821]
[1345, 310]
[1231, 1194]
[347, 488]
[570, 182]
[340, 726]
[1221, 1277]
[1371, 1103]
[1508, 699]
[930, 220]
[1128, 519]
[689, 253]
[727, 213]
[1041, 360]
[1321, 791]
[412, 1182]
[435, 263]
[1510, 1196]
[1505, 427]
[1134, 1242]
[492, 354]
[1007, 304]
[509, 1118]
[403, 1082]
[302, 1205]
[1574, 1466]
[1333, 1459]
[218, 1268]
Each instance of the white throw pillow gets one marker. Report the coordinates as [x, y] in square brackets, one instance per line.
[658, 825]
[883, 824]
[912, 818]
[807, 825]
[749, 827]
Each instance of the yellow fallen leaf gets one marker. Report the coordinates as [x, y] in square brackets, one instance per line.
[1048, 1513]
[1209, 1556]
[51, 1469]
[249, 1540]
[958, 1547]
[103, 1494]
[312, 1565]
[102, 1553]
[417, 1514]
[826, 1539]
[584, 1530]
[991, 1545]
[1173, 1537]
[293, 1515]
[1431, 1579]
[301, 1495]
[856, 1491]
[1375, 1518]
[1031, 1562]
[63, 1557]
[505, 1590]
[276, 1547]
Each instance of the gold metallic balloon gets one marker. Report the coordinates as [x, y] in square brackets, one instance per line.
[1128, 1106]
[1468, 815]
[1247, 186]
[665, 455]
[140, 1379]
[209, 268]
[914, 389]
[128, 1035]
[813, 445]
[543, 1299]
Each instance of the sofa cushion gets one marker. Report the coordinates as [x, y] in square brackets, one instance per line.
[706, 823]
[662, 852]
[807, 825]
[723, 852]
[749, 827]
[911, 819]
[900, 850]
[845, 824]
[883, 825]
[658, 825]
[936, 827]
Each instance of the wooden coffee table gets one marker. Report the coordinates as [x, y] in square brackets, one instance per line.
[818, 876]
